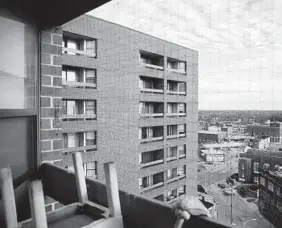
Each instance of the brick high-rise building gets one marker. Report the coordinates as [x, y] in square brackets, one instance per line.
[126, 97]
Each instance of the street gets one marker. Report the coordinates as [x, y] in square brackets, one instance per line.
[242, 211]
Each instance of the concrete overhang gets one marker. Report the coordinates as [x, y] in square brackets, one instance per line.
[49, 13]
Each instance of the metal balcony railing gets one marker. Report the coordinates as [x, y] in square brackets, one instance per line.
[151, 186]
[79, 52]
[151, 114]
[151, 139]
[176, 136]
[176, 92]
[79, 84]
[79, 149]
[178, 177]
[79, 116]
[142, 165]
[152, 66]
[148, 90]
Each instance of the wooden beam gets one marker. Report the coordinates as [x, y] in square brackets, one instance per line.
[8, 198]
[80, 178]
[112, 189]
[36, 198]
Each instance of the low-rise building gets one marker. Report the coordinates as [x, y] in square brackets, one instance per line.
[211, 136]
[270, 196]
[260, 142]
[250, 161]
[211, 155]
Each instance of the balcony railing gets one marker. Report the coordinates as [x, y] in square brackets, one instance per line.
[79, 116]
[178, 177]
[151, 187]
[151, 139]
[79, 52]
[176, 136]
[171, 199]
[148, 90]
[79, 84]
[176, 92]
[57, 181]
[176, 114]
[152, 66]
[151, 114]
[177, 71]
[142, 165]
[79, 148]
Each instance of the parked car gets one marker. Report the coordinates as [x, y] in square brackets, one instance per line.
[221, 185]
[229, 191]
[235, 176]
[201, 189]
[230, 181]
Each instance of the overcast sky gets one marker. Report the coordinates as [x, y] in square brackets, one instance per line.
[239, 44]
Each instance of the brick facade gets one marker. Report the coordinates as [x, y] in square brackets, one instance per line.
[51, 95]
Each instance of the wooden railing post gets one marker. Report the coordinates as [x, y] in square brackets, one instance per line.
[112, 189]
[8, 198]
[37, 204]
[80, 177]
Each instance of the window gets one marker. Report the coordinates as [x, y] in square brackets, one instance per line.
[172, 152]
[18, 64]
[69, 75]
[243, 175]
[171, 173]
[90, 108]
[181, 129]
[181, 150]
[181, 108]
[181, 190]
[262, 181]
[171, 129]
[145, 133]
[256, 166]
[181, 170]
[182, 87]
[90, 138]
[152, 156]
[158, 178]
[90, 169]
[242, 166]
[270, 186]
[90, 46]
[69, 107]
[160, 197]
[144, 182]
[90, 76]
[256, 179]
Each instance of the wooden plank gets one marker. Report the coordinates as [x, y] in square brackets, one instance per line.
[112, 189]
[80, 178]
[8, 198]
[36, 198]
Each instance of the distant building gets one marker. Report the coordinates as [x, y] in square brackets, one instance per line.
[274, 130]
[260, 142]
[211, 137]
[227, 129]
[211, 155]
[270, 196]
[249, 163]
[239, 129]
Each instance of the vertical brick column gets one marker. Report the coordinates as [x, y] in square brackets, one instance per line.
[51, 95]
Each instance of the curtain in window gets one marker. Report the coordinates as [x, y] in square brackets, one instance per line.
[90, 107]
[72, 140]
[71, 75]
[90, 46]
[182, 66]
[72, 44]
[181, 170]
[90, 76]
[181, 108]
[172, 130]
[91, 169]
[147, 157]
[145, 182]
[181, 86]
[90, 138]
[157, 132]
[172, 152]
[181, 129]
[71, 108]
[181, 150]
[181, 190]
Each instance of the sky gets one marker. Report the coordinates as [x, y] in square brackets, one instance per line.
[239, 44]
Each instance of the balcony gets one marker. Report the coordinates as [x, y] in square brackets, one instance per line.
[58, 181]
[74, 44]
[151, 109]
[178, 177]
[151, 60]
[79, 117]
[151, 85]
[176, 109]
[79, 84]
[79, 110]
[176, 66]
[79, 149]
[73, 51]
[149, 134]
[151, 187]
[176, 131]
[176, 88]
[151, 158]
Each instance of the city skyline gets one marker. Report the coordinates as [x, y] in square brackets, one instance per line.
[238, 44]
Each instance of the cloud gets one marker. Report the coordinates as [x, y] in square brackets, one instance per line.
[239, 44]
